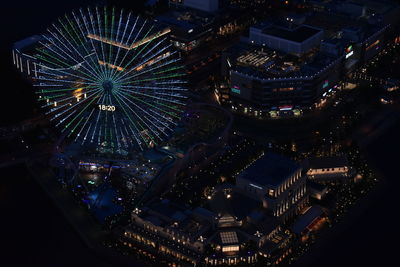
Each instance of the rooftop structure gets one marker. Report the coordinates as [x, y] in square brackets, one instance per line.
[270, 170]
[307, 220]
[297, 34]
[328, 162]
[268, 64]
[289, 38]
[189, 27]
[204, 5]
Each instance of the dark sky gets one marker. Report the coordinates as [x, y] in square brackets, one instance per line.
[21, 19]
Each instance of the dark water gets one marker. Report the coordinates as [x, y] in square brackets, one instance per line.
[33, 231]
[371, 239]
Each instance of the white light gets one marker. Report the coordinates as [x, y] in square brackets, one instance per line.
[256, 186]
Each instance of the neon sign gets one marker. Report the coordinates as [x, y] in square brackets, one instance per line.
[235, 89]
[349, 51]
[285, 107]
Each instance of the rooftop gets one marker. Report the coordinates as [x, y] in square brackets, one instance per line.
[270, 169]
[238, 205]
[27, 43]
[328, 162]
[186, 19]
[307, 219]
[316, 186]
[298, 34]
[266, 63]
[228, 236]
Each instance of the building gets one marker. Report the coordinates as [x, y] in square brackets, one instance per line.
[203, 5]
[310, 220]
[23, 53]
[189, 28]
[329, 169]
[267, 83]
[364, 25]
[184, 237]
[316, 190]
[289, 37]
[169, 231]
[278, 182]
[295, 63]
[240, 223]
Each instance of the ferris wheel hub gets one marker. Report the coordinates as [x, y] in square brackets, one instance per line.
[108, 86]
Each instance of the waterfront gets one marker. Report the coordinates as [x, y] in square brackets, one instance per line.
[364, 237]
[33, 228]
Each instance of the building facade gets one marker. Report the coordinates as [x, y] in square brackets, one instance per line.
[278, 182]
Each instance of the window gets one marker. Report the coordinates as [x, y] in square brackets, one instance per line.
[271, 192]
[230, 248]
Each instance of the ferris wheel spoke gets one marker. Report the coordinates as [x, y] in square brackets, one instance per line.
[69, 53]
[145, 71]
[150, 118]
[110, 79]
[57, 73]
[157, 106]
[65, 42]
[119, 47]
[95, 64]
[84, 125]
[153, 59]
[71, 108]
[101, 43]
[93, 29]
[135, 132]
[81, 44]
[128, 40]
[140, 51]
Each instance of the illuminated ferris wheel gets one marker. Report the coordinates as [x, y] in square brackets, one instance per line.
[111, 78]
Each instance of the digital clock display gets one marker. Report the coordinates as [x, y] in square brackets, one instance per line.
[110, 108]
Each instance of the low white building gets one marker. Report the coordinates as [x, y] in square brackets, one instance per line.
[329, 169]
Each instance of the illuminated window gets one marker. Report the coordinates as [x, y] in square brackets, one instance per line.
[230, 248]
[271, 192]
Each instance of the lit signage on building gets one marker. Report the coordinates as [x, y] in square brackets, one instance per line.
[349, 54]
[373, 44]
[285, 107]
[325, 84]
[349, 51]
[235, 89]
[256, 186]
